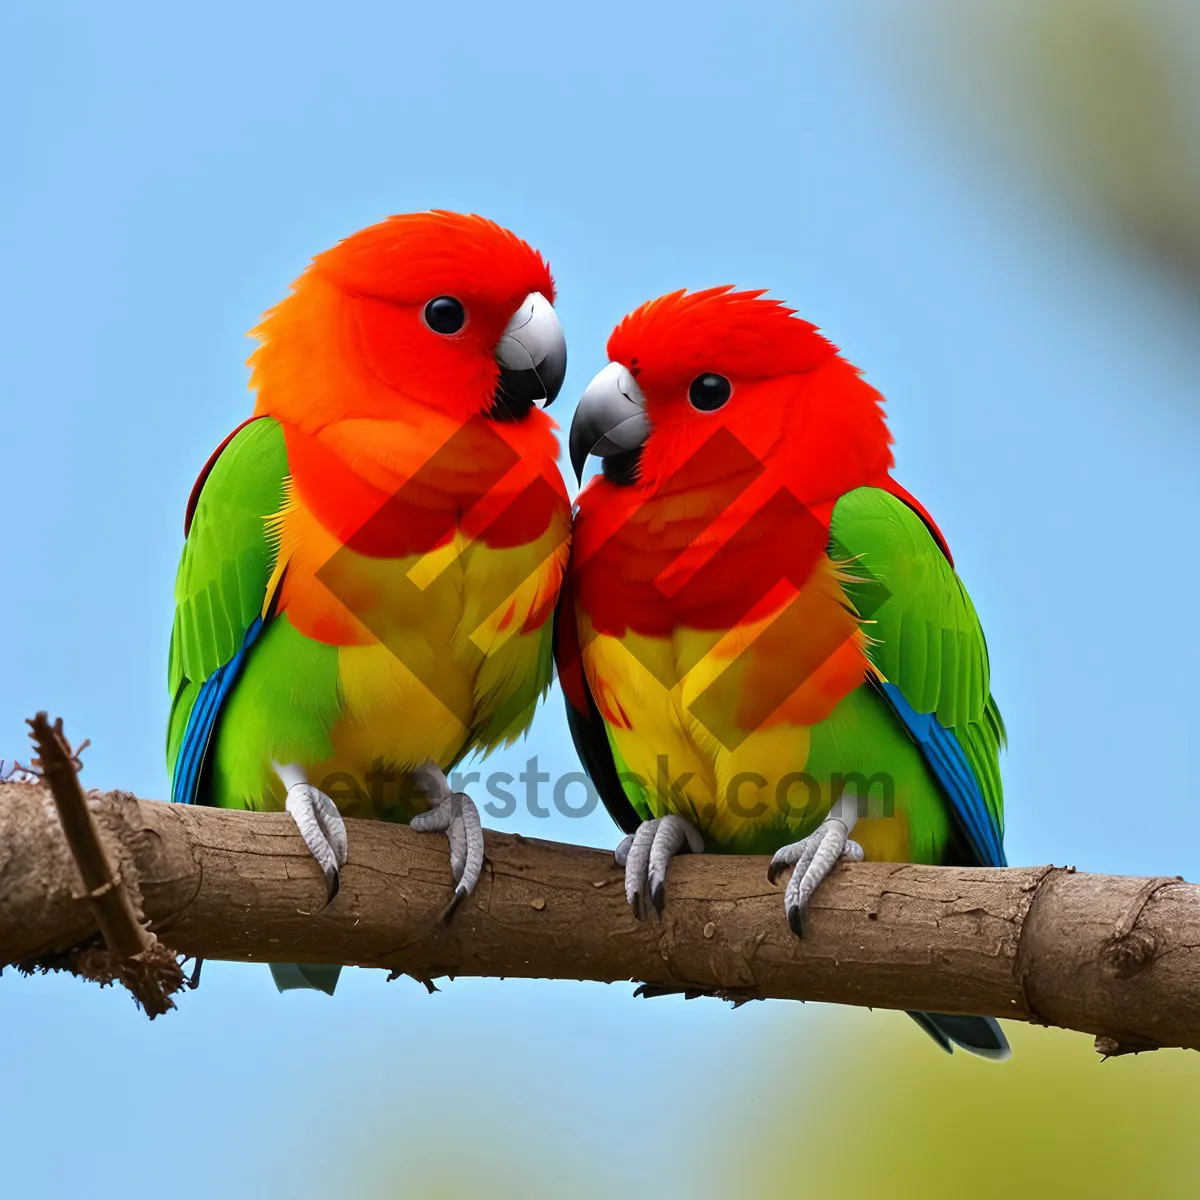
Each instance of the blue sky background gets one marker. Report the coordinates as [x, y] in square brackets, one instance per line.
[167, 172]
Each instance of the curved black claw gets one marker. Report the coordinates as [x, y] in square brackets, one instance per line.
[323, 830]
[457, 816]
[811, 860]
[646, 854]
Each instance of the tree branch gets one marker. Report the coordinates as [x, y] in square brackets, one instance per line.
[1115, 956]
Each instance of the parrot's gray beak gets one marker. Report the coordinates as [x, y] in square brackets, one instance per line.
[610, 419]
[532, 355]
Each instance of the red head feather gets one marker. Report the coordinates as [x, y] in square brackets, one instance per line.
[350, 340]
[796, 404]
[675, 337]
[710, 521]
[371, 398]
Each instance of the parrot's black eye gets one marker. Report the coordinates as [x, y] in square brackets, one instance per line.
[444, 314]
[709, 391]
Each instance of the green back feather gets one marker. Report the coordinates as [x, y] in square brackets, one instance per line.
[925, 635]
[227, 560]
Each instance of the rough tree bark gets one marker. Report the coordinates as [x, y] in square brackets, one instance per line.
[1115, 956]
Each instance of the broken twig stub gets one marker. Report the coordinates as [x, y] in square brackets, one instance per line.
[130, 954]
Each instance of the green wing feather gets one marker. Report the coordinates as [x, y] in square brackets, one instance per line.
[228, 558]
[925, 635]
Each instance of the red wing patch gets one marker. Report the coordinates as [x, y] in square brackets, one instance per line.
[904, 494]
[205, 471]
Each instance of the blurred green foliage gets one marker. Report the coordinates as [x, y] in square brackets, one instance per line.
[886, 1115]
[1100, 99]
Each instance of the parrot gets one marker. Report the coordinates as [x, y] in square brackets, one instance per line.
[372, 559]
[762, 641]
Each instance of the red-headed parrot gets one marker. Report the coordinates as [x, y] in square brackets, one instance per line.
[373, 559]
[762, 641]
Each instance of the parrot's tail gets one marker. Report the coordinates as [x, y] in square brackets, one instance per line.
[318, 977]
[978, 1035]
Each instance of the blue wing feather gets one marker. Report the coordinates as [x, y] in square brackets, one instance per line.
[941, 750]
[944, 754]
[197, 735]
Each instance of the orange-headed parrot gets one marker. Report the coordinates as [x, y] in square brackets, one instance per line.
[372, 560]
[763, 642]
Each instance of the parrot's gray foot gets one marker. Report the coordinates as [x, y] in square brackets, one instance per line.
[322, 828]
[457, 816]
[811, 860]
[646, 854]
